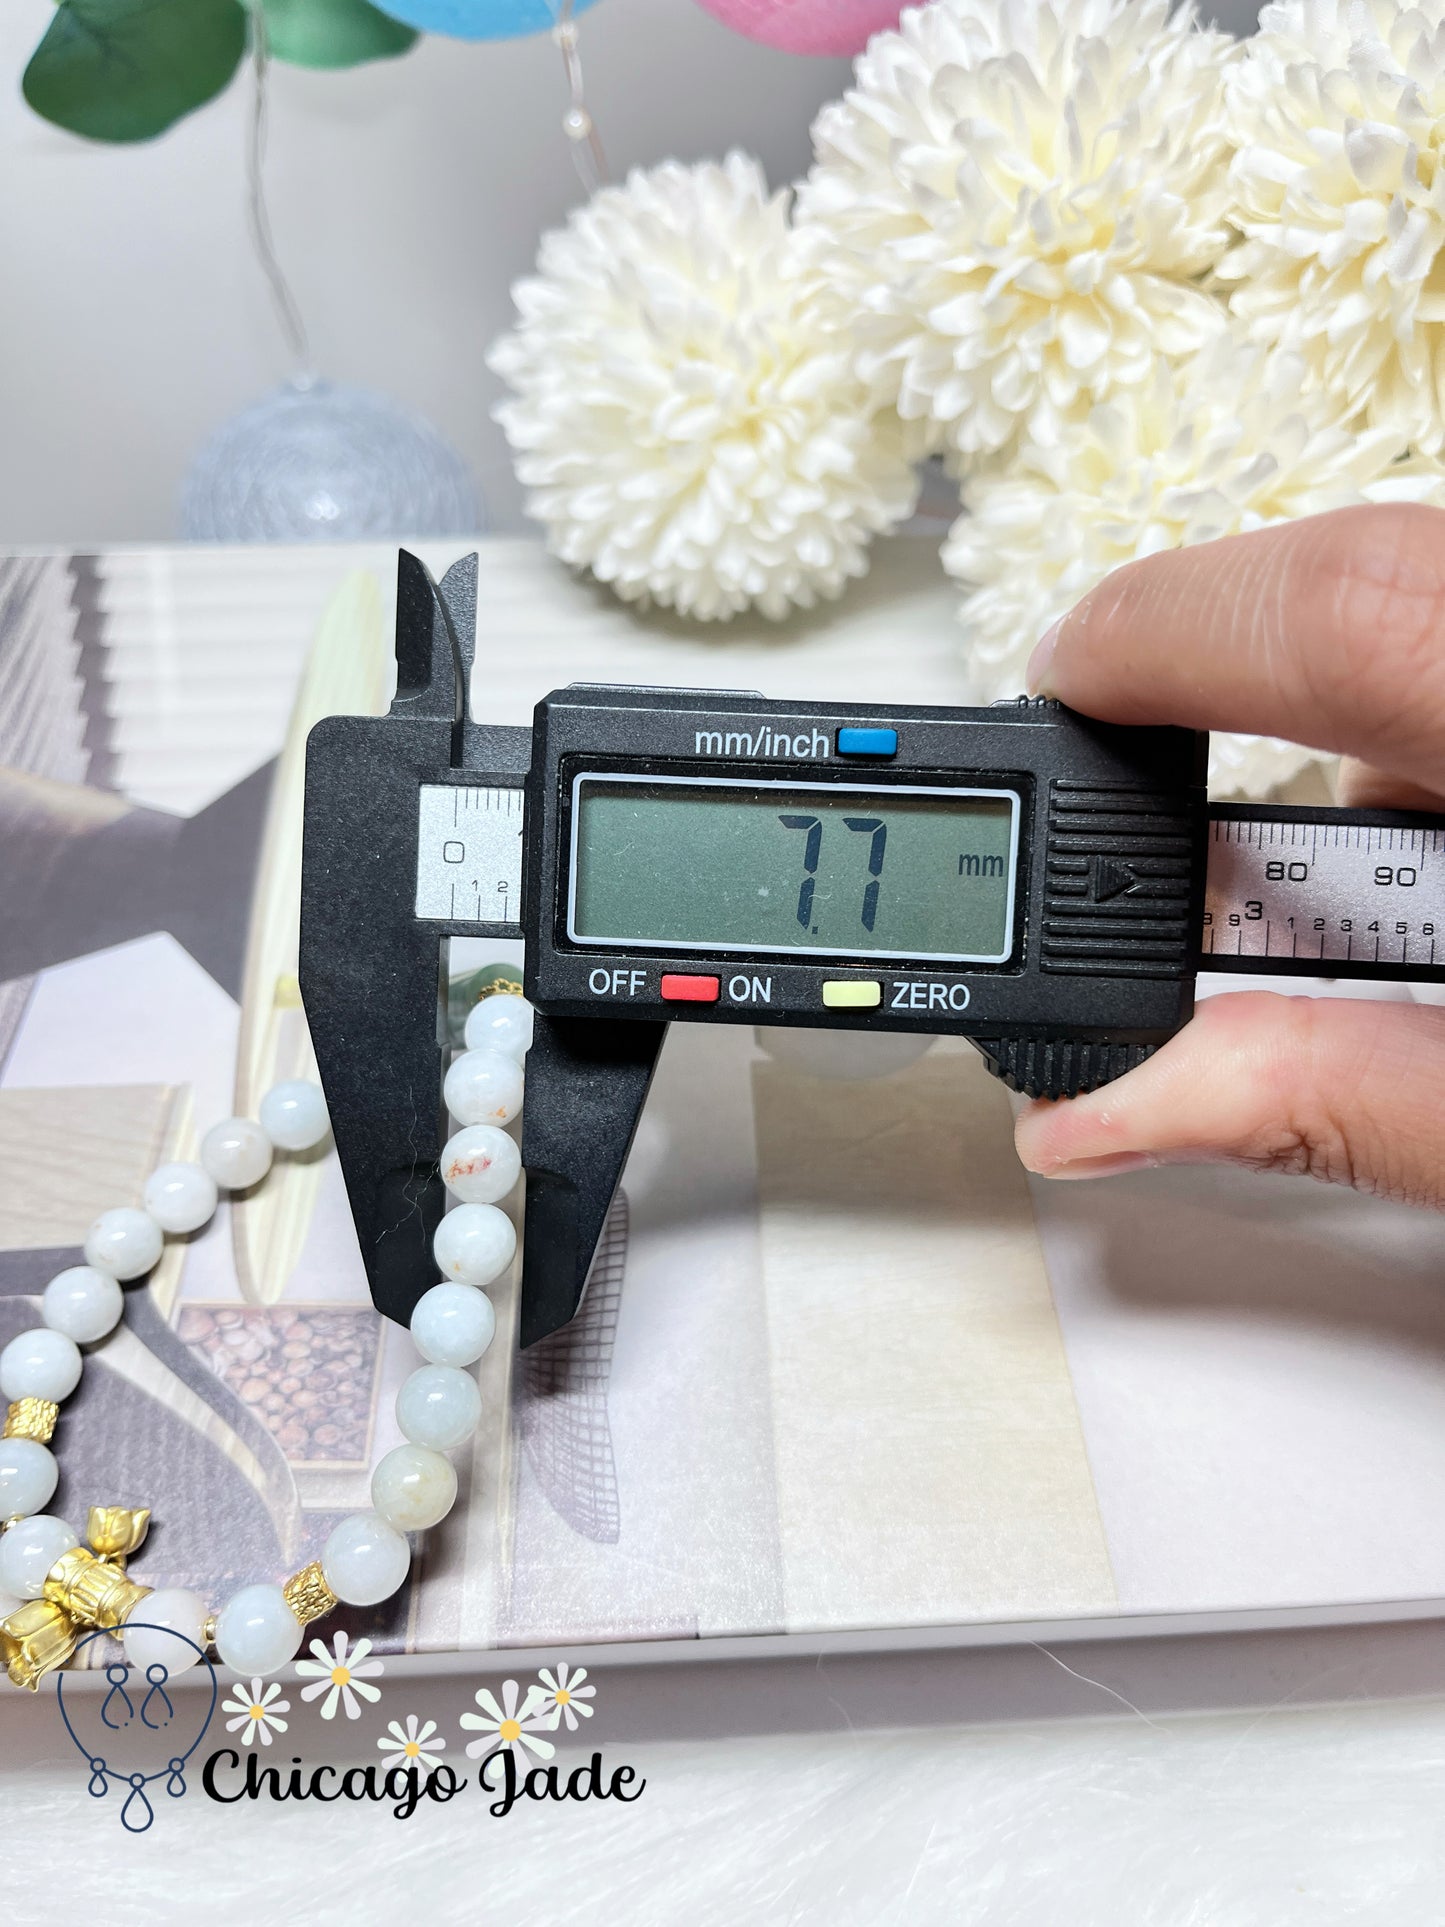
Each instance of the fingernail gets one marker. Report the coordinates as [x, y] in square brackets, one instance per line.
[1036, 675]
[1115, 1163]
[1113, 1166]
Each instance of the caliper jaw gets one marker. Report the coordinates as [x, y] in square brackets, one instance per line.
[587, 1081]
[371, 973]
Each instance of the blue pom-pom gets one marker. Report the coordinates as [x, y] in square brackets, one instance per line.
[479, 19]
[327, 463]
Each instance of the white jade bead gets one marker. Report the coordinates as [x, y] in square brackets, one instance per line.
[28, 1551]
[439, 1406]
[173, 1609]
[293, 1115]
[236, 1153]
[125, 1242]
[83, 1303]
[413, 1487]
[474, 1244]
[28, 1477]
[484, 1087]
[256, 1631]
[180, 1197]
[481, 1164]
[9, 1603]
[453, 1324]
[365, 1560]
[501, 1022]
[40, 1364]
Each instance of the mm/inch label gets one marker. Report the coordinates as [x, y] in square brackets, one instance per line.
[1345, 897]
[469, 853]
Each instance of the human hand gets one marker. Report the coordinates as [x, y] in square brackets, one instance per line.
[1331, 632]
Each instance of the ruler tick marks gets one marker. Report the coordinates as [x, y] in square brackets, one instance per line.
[469, 853]
[1326, 881]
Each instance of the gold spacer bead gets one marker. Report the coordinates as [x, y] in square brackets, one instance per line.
[500, 987]
[208, 1630]
[32, 1418]
[308, 1595]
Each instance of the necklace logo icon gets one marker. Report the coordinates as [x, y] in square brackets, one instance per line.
[86, 1587]
[136, 1734]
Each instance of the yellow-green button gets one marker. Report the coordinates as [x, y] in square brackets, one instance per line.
[852, 993]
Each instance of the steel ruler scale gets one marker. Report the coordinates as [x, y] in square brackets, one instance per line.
[469, 853]
[1324, 893]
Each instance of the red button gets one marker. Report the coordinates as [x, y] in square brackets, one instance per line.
[689, 990]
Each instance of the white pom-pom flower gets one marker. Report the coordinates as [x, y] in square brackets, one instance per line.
[1018, 199]
[685, 414]
[1338, 111]
[1215, 447]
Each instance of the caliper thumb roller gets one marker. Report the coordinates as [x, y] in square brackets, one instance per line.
[1045, 885]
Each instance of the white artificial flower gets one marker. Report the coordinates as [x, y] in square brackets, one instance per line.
[685, 412]
[413, 1744]
[565, 1696]
[1017, 200]
[340, 1672]
[1222, 445]
[257, 1709]
[508, 1724]
[1338, 111]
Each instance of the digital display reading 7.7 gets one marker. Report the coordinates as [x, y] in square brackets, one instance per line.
[684, 863]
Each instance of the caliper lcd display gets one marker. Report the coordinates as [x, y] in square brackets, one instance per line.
[699, 863]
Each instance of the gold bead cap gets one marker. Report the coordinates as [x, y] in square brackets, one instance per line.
[92, 1591]
[34, 1640]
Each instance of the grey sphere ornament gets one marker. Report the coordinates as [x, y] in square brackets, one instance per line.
[323, 462]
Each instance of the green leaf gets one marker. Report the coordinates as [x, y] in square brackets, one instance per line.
[333, 33]
[126, 70]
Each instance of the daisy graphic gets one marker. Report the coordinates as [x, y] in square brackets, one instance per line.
[565, 1696]
[413, 1745]
[257, 1709]
[340, 1674]
[507, 1724]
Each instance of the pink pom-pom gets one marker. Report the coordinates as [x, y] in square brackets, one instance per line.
[807, 26]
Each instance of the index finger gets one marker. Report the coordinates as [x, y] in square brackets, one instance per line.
[1329, 631]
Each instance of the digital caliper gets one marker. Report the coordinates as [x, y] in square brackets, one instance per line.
[1044, 885]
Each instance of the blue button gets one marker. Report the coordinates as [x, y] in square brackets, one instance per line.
[867, 742]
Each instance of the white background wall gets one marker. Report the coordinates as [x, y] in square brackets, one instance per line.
[406, 197]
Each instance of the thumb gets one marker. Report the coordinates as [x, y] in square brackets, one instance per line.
[1348, 1092]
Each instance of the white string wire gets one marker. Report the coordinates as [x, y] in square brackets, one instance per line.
[577, 122]
[288, 312]
[577, 125]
